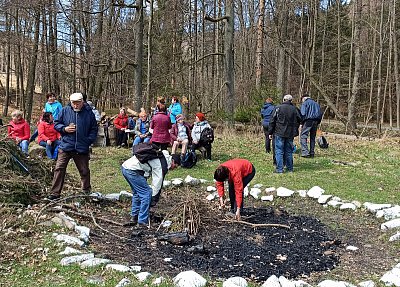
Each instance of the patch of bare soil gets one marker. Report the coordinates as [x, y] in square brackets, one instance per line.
[312, 248]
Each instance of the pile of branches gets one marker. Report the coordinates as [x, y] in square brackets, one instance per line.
[22, 179]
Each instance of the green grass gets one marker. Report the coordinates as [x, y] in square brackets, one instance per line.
[369, 171]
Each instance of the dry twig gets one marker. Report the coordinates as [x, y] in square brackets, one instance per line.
[255, 225]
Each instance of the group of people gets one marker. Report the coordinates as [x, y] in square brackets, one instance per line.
[165, 127]
[281, 124]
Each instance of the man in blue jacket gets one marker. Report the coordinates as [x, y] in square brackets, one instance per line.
[78, 127]
[311, 117]
[266, 113]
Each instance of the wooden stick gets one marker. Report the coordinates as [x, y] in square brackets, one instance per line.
[86, 216]
[109, 232]
[255, 225]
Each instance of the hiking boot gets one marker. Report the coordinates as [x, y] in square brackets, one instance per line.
[133, 221]
[52, 197]
[139, 229]
[86, 191]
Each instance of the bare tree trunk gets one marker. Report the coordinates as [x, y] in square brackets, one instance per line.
[379, 91]
[229, 60]
[53, 48]
[149, 55]
[339, 52]
[396, 65]
[260, 44]
[282, 17]
[8, 65]
[137, 99]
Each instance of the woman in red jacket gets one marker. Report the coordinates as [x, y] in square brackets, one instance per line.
[238, 172]
[121, 124]
[159, 127]
[48, 136]
[19, 131]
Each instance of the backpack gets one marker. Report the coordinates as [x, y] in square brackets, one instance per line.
[189, 160]
[207, 135]
[322, 142]
[146, 151]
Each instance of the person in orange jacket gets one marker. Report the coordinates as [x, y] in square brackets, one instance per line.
[238, 172]
[19, 131]
[48, 137]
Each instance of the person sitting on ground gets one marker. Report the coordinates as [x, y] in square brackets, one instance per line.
[180, 135]
[78, 127]
[19, 131]
[121, 124]
[238, 172]
[174, 109]
[145, 195]
[199, 125]
[159, 127]
[95, 111]
[48, 136]
[142, 126]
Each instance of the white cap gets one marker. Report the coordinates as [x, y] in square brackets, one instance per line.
[76, 97]
[287, 98]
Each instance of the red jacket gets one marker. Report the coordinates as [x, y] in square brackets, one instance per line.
[47, 132]
[19, 130]
[174, 132]
[121, 122]
[160, 124]
[238, 169]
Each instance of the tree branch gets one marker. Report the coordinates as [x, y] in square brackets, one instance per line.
[216, 19]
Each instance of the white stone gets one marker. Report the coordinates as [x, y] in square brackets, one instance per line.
[142, 276]
[94, 262]
[136, 268]
[124, 282]
[211, 188]
[267, 198]
[348, 206]
[118, 267]
[189, 279]
[258, 185]
[391, 224]
[332, 283]
[96, 195]
[391, 277]
[211, 196]
[83, 232]
[246, 192]
[191, 180]
[71, 240]
[374, 207]
[336, 198]
[357, 203]
[285, 282]
[389, 213]
[284, 192]
[202, 180]
[315, 192]
[272, 281]
[167, 183]
[158, 280]
[395, 237]
[334, 203]
[112, 196]
[368, 283]
[255, 192]
[166, 223]
[270, 189]
[324, 198]
[177, 182]
[168, 259]
[69, 250]
[351, 248]
[302, 193]
[301, 283]
[235, 282]
[76, 259]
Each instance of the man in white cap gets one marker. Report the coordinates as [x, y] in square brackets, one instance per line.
[284, 126]
[78, 127]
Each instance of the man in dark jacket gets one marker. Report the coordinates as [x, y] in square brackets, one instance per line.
[266, 113]
[78, 127]
[284, 126]
[311, 117]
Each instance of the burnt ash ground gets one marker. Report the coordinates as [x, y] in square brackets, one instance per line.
[311, 249]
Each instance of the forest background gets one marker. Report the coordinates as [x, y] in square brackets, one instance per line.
[222, 57]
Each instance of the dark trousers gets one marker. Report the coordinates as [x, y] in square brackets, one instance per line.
[268, 145]
[232, 194]
[82, 164]
[309, 128]
[162, 146]
[207, 147]
[122, 137]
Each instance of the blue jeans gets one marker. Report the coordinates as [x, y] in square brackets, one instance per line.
[24, 146]
[138, 140]
[283, 153]
[141, 194]
[50, 149]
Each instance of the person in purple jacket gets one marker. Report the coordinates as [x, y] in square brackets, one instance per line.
[159, 127]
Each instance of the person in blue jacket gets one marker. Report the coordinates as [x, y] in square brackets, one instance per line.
[266, 113]
[174, 109]
[78, 127]
[311, 116]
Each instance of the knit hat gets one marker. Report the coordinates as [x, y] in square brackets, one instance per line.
[201, 116]
[180, 117]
